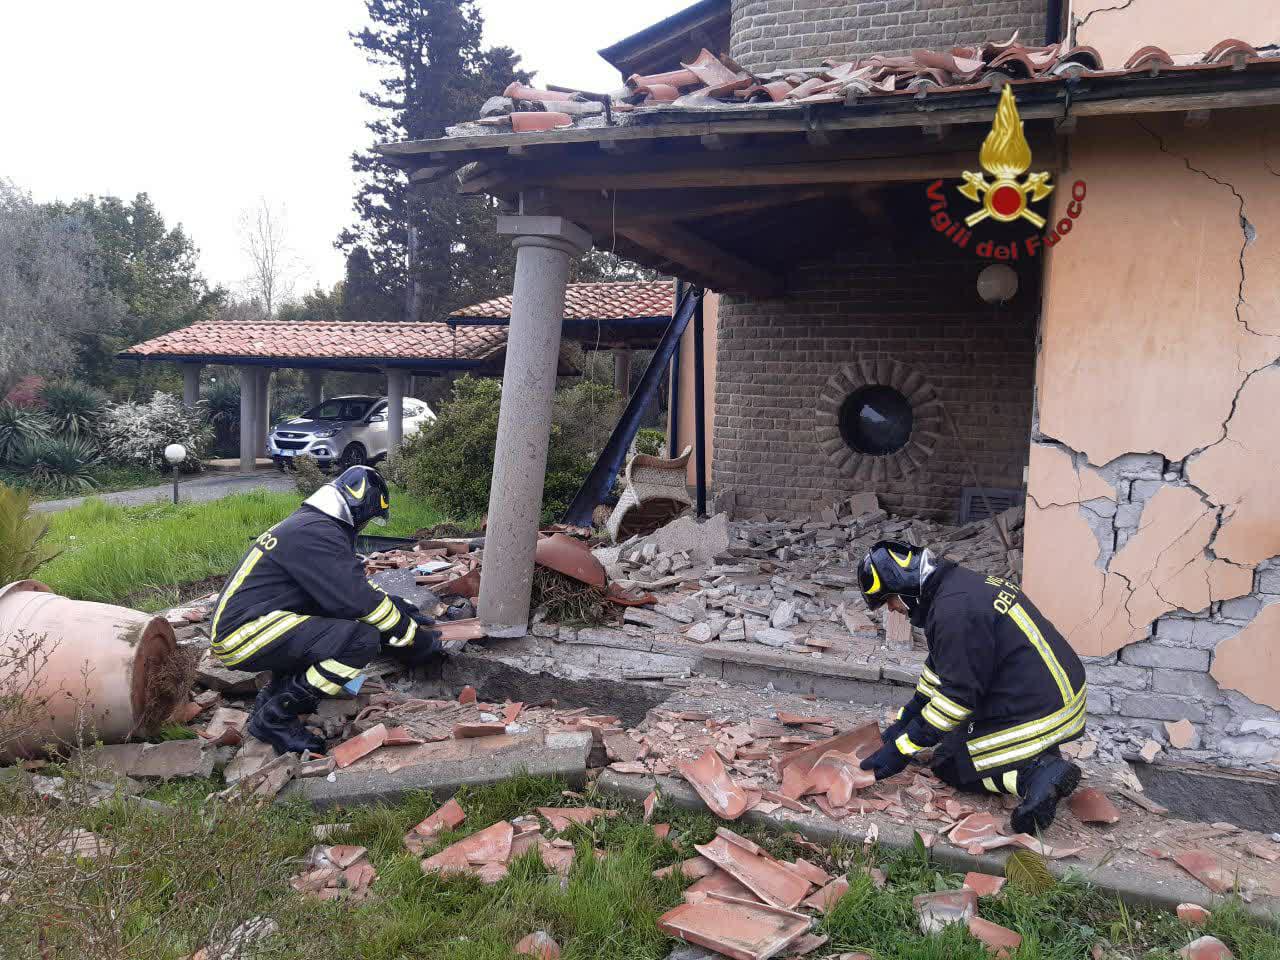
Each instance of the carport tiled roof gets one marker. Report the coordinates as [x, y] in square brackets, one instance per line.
[592, 301]
[344, 341]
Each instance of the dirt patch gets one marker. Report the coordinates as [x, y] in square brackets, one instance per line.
[168, 679]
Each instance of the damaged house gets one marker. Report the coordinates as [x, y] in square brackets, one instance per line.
[922, 293]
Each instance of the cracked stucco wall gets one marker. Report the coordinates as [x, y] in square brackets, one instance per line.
[1153, 525]
[1117, 28]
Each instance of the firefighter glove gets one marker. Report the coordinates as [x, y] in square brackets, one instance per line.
[886, 762]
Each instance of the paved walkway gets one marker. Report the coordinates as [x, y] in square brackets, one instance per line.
[213, 486]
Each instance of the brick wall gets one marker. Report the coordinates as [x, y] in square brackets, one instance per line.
[775, 356]
[776, 34]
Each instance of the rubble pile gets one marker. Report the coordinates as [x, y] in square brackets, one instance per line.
[791, 584]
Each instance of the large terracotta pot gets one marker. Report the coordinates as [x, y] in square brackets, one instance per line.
[107, 672]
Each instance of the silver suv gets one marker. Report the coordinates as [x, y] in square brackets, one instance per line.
[343, 431]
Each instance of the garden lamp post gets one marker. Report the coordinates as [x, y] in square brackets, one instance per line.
[175, 453]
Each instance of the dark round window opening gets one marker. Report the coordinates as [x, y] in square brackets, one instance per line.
[876, 420]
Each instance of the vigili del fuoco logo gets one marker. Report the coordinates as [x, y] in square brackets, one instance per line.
[1006, 197]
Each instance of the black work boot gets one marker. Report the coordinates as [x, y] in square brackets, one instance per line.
[1048, 780]
[275, 717]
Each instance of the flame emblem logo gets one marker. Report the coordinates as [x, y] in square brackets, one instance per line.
[1005, 155]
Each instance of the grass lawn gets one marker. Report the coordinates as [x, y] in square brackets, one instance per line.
[146, 555]
[173, 883]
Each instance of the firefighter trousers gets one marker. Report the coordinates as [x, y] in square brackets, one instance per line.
[325, 653]
[953, 766]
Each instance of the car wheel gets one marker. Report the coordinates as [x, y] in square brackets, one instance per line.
[353, 456]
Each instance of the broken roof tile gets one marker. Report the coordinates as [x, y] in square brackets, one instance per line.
[1091, 805]
[717, 789]
[765, 877]
[735, 928]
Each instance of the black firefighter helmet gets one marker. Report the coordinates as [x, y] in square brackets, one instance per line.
[356, 497]
[892, 568]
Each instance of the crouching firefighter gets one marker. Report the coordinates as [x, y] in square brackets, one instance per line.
[299, 605]
[1000, 690]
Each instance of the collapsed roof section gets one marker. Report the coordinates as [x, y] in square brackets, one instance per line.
[697, 172]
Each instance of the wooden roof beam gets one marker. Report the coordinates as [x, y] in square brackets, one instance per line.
[719, 268]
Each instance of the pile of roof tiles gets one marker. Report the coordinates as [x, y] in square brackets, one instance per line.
[714, 82]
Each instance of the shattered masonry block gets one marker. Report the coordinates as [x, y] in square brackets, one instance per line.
[1185, 683]
[1151, 707]
[1131, 678]
[1188, 632]
[1148, 654]
[1241, 608]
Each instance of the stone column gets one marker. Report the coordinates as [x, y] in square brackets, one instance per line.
[248, 419]
[191, 384]
[315, 387]
[622, 372]
[396, 382]
[544, 246]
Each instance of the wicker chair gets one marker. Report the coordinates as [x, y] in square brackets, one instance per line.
[655, 493]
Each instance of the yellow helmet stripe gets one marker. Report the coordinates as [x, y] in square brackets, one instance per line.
[875, 581]
[899, 560]
[359, 494]
[385, 505]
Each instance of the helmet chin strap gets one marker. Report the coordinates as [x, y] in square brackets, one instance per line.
[926, 565]
[329, 502]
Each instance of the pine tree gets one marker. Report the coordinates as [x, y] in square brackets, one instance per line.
[417, 254]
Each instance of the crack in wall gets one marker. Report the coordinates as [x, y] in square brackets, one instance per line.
[1077, 22]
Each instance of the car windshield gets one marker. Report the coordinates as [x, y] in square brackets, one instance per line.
[349, 408]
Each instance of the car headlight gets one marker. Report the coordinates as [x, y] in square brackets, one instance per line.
[323, 434]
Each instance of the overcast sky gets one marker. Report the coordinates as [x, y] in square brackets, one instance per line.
[209, 106]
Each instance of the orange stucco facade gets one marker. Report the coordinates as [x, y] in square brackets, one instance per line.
[1160, 338]
[1176, 26]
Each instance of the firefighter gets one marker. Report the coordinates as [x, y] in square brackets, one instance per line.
[1000, 689]
[299, 605]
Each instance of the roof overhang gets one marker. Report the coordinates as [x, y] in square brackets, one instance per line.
[666, 186]
[660, 46]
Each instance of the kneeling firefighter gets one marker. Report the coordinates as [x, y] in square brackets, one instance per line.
[299, 605]
[1000, 690]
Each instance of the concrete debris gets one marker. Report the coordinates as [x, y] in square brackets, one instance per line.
[937, 910]
[336, 873]
[243, 942]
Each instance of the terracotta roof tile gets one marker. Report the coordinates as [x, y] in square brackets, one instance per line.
[590, 301]
[710, 81]
[338, 341]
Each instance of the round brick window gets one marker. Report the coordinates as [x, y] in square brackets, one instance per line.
[876, 420]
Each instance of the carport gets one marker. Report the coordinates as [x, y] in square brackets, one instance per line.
[397, 350]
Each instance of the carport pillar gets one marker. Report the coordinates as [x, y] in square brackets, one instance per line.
[544, 246]
[263, 408]
[315, 387]
[248, 419]
[191, 384]
[622, 371]
[396, 382]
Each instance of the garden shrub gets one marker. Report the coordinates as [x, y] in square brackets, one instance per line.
[21, 533]
[221, 404]
[26, 392]
[137, 433]
[62, 465]
[586, 413]
[20, 427]
[308, 477]
[73, 409]
[450, 461]
[651, 442]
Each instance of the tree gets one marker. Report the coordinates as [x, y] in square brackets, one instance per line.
[53, 299]
[416, 254]
[272, 264]
[149, 267]
[319, 304]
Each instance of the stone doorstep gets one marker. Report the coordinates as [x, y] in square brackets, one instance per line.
[1132, 886]
[443, 767]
